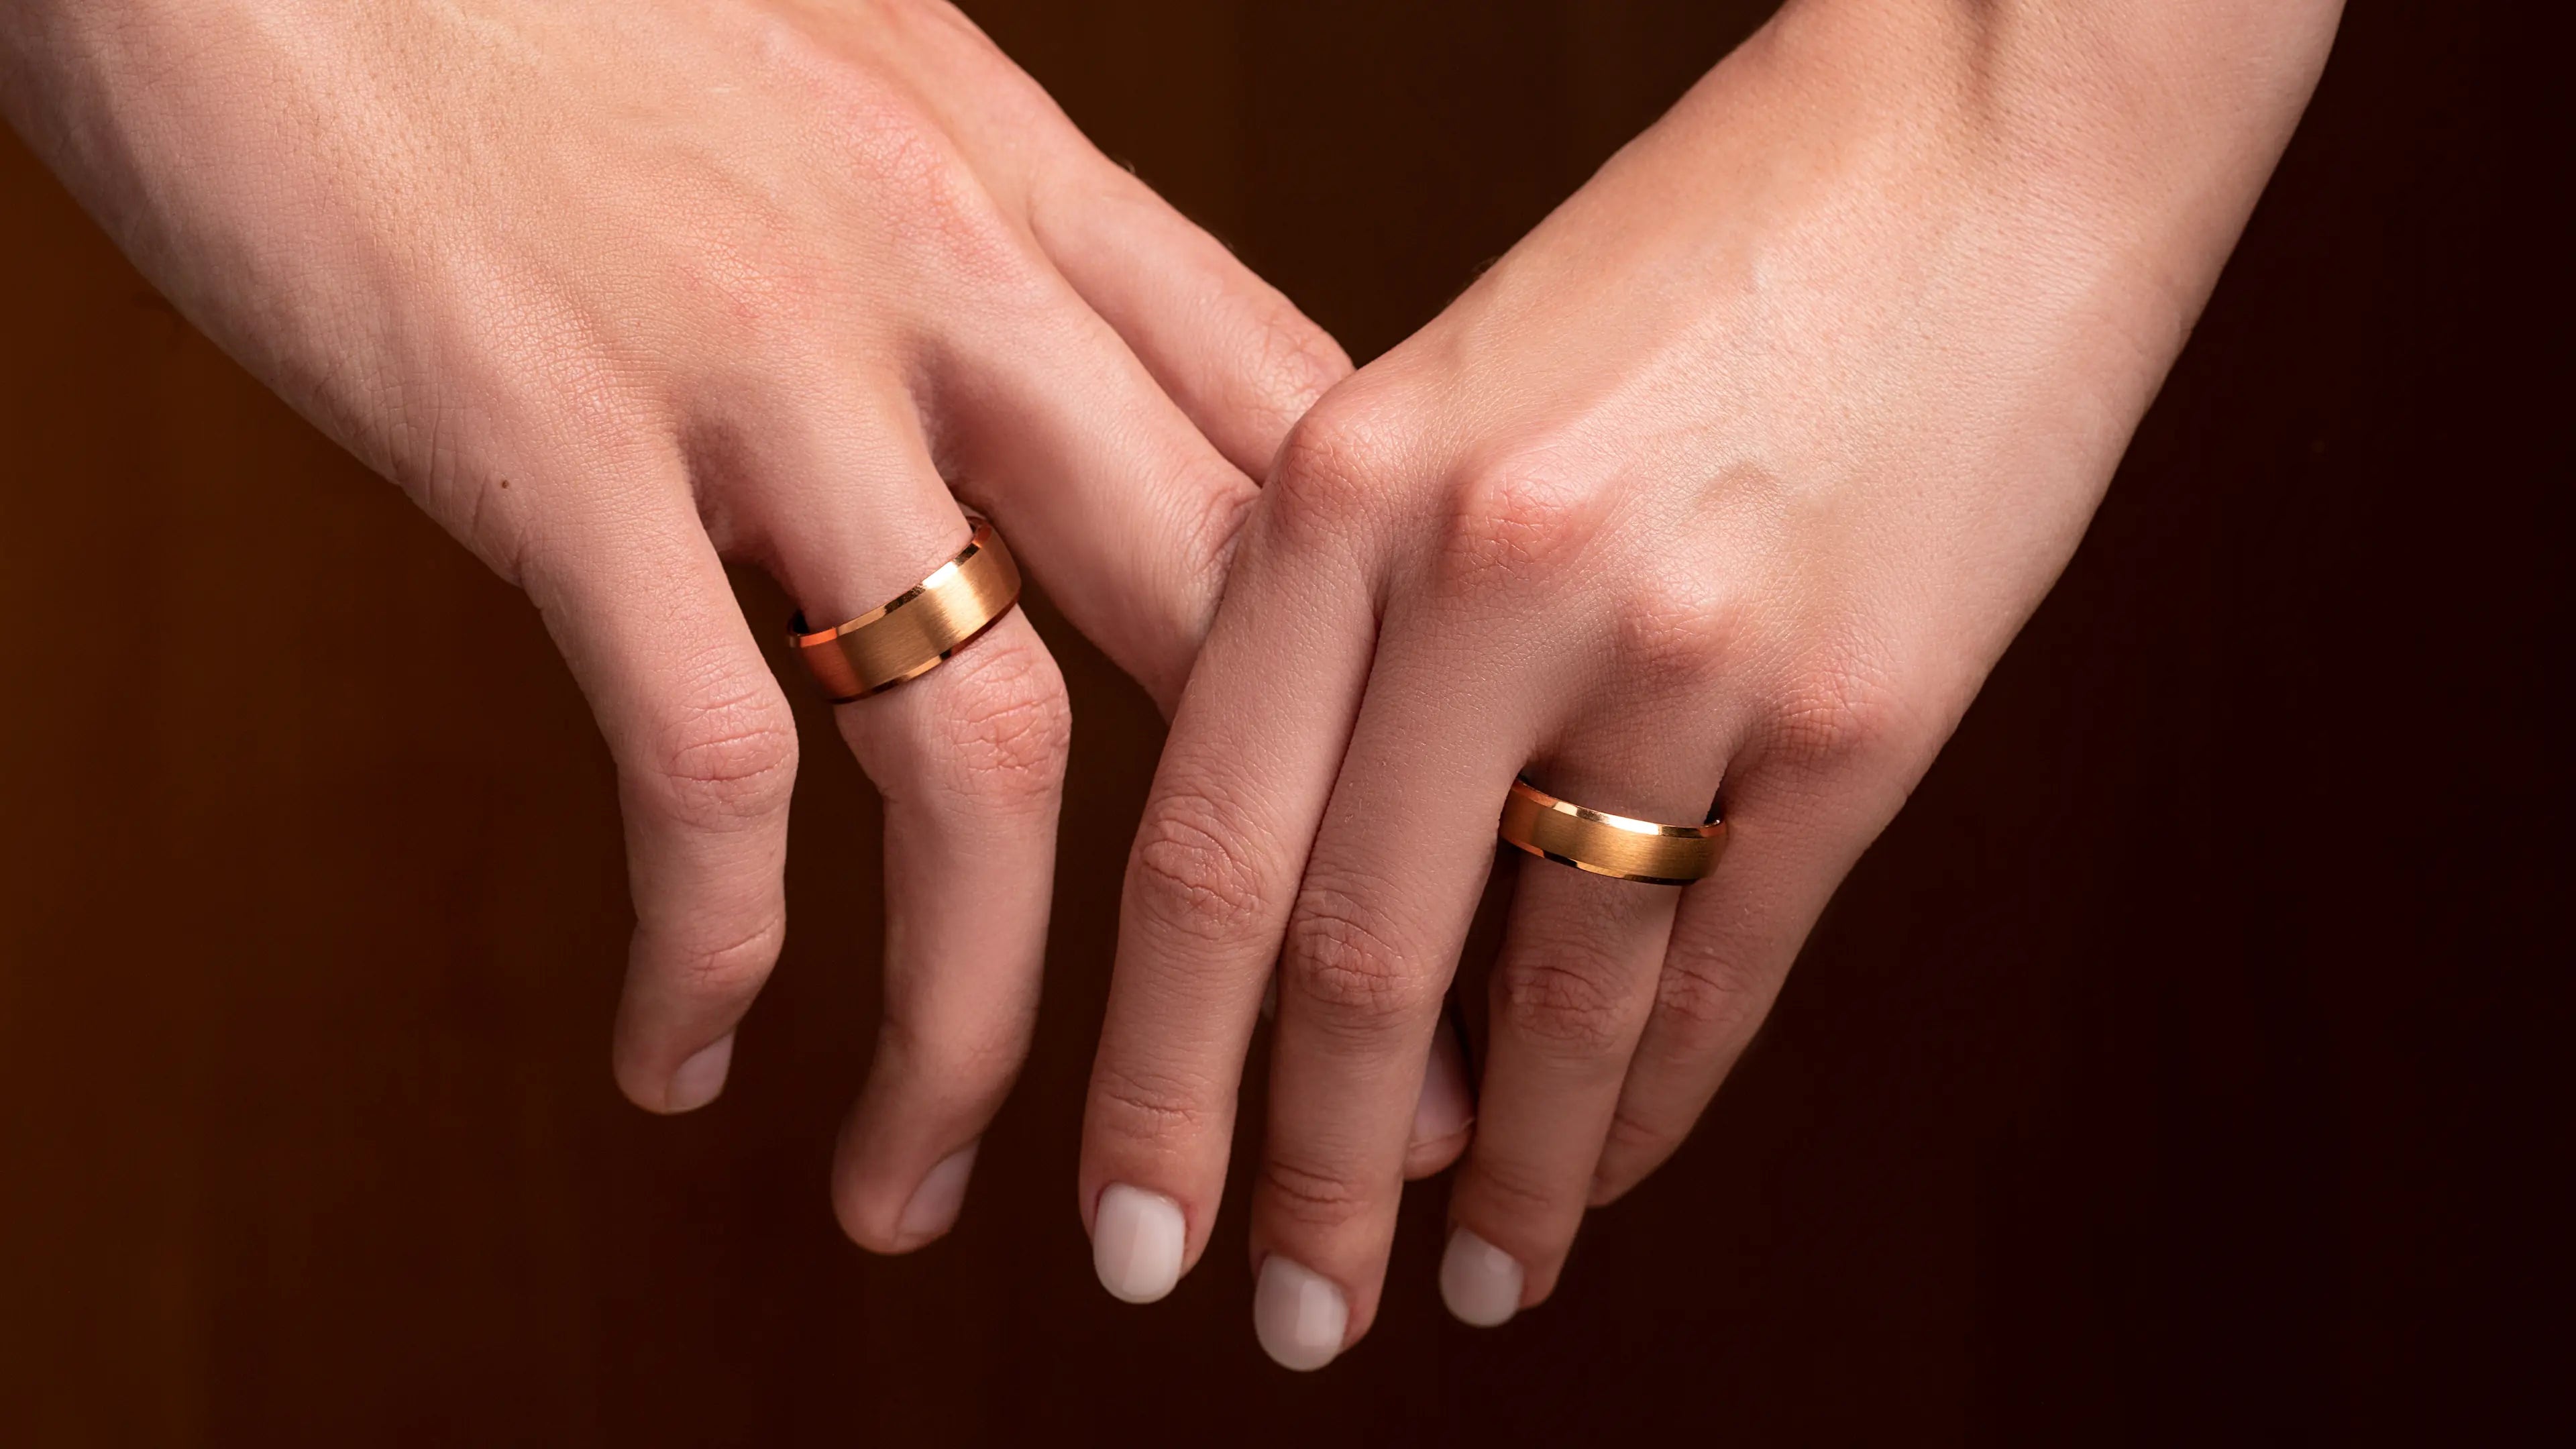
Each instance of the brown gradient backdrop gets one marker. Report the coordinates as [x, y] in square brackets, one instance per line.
[2161, 1075]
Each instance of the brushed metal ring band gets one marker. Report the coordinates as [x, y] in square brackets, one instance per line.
[1611, 845]
[915, 633]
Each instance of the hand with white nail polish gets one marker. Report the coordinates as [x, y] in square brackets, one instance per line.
[1140, 1238]
[1136, 1242]
[1480, 1282]
[1734, 478]
[1300, 1316]
[620, 291]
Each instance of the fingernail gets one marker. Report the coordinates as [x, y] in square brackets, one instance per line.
[1136, 1241]
[1299, 1315]
[1443, 1110]
[700, 1078]
[1480, 1282]
[934, 1206]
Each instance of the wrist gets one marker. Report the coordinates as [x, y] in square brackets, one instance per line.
[2083, 160]
[88, 82]
[2148, 129]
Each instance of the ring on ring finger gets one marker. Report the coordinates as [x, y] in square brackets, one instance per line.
[917, 631]
[1606, 844]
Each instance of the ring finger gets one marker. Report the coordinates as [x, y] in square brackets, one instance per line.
[969, 761]
[1569, 1000]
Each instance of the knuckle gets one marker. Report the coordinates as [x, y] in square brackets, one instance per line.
[1340, 959]
[939, 206]
[1160, 1111]
[726, 756]
[1561, 1007]
[1330, 477]
[1837, 716]
[1006, 724]
[1218, 499]
[750, 275]
[1676, 630]
[1705, 1003]
[1512, 522]
[947, 214]
[1190, 872]
[1297, 361]
[882, 145]
[1313, 1197]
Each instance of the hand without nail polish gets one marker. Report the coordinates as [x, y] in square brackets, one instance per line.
[934, 1206]
[1444, 1109]
[1480, 1282]
[1299, 1315]
[1136, 1242]
[701, 1077]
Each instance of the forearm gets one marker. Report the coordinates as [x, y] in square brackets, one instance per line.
[2135, 136]
[2028, 203]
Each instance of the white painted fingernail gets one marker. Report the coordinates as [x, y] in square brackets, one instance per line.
[1299, 1315]
[1480, 1282]
[934, 1206]
[1136, 1242]
[700, 1078]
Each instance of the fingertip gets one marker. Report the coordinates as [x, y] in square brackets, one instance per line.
[935, 1204]
[1300, 1316]
[1138, 1239]
[700, 1079]
[1479, 1283]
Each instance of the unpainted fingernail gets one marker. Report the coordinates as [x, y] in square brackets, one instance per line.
[935, 1204]
[1444, 1109]
[1299, 1315]
[1480, 1282]
[701, 1077]
[1136, 1242]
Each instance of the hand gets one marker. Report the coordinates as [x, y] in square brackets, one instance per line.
[1733, 479]
[617, 291]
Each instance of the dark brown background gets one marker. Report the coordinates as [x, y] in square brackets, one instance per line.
[2164, 1073]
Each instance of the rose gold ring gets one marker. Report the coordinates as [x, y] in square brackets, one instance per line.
[916, 633]
[1611, 845]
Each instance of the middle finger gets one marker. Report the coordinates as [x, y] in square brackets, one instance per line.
[1390, 889]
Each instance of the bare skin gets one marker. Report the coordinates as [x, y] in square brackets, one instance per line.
[619, 291]
[1732, 480]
